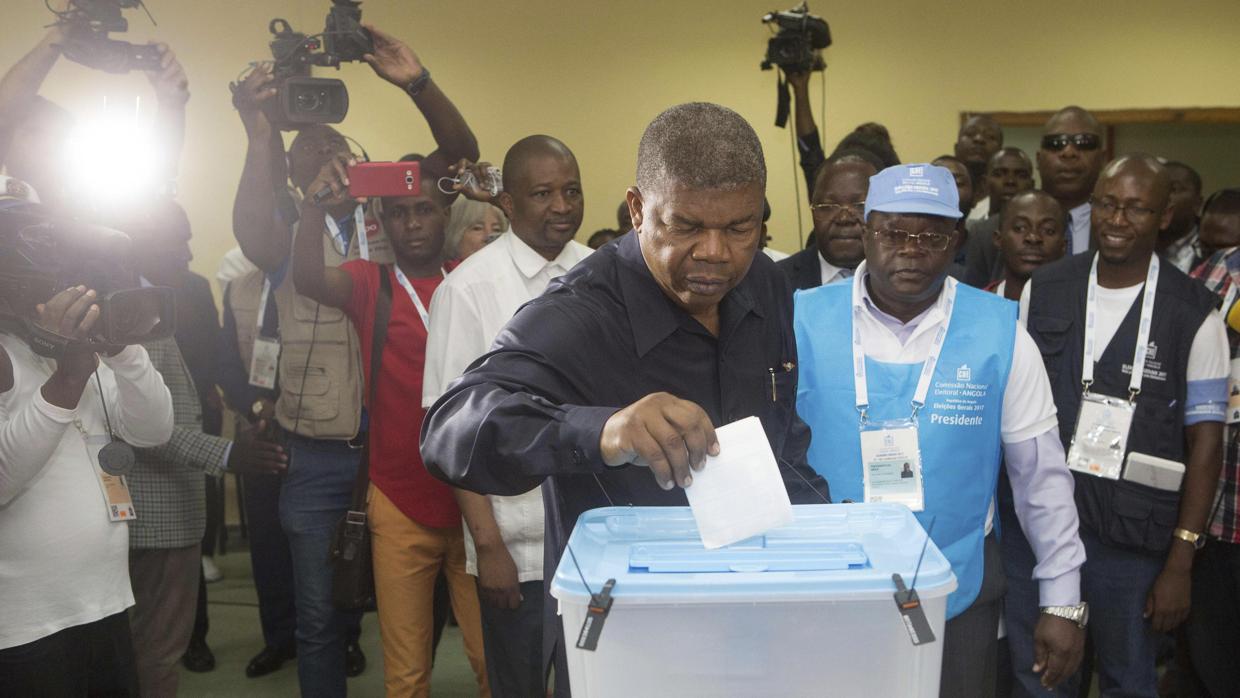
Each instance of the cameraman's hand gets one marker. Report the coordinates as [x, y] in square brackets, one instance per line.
[799, 82]
[474, 190]
[171, 85]
[71, 313]
[252, 95]
[392, 60]
[334, 175]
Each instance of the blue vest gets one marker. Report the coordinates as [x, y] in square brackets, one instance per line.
[958, 429]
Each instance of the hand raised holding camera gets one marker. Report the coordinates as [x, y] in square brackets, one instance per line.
[71, 313]
[477, 181]
[170, 83]
[252, 95]
[333, 177]
[392, 59]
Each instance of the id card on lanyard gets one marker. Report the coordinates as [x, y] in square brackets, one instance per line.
[265, 356]
[115, 491]
[891, 450]
[359, 232]
[1104, 422]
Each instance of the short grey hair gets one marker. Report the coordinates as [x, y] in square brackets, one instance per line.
[466, 213]
[702, 146]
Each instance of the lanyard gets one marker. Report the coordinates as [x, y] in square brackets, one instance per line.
[359, 231]
[932, 358]
[413, 295]
[262, 303]
[1143, 330]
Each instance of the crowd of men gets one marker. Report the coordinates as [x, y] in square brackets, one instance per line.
[458, 370]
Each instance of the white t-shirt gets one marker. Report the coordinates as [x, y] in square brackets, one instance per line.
[467, 312]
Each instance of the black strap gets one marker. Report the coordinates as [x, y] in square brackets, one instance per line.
[383, 313]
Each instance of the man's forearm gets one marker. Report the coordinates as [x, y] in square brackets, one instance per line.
[309, 265]
[1205, 458]
[804, 111]
[452, 135]
[479, 517]
[263, 237]
[21, 84]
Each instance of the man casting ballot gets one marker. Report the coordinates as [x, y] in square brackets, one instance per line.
[938, 376]
[610, 384]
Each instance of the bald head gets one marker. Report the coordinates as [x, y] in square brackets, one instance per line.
[1146, 169]
[700, 146]
[1070, 155]
[522, 153]
[1130, 206]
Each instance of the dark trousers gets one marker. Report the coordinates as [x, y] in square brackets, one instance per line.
[94, 659]
[971, 639]
[270, 559]
[512, 640]
[1214, 621]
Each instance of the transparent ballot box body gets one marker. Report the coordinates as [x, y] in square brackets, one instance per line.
[804, 610]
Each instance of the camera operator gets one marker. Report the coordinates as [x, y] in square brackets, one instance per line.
[33, 130]
[64, 583]
[809, 142]
[321, 418]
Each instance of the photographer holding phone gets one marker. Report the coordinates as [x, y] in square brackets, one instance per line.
[315, 340]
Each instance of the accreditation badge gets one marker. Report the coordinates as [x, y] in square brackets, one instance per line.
[1101, 436]
[891, 459]
[116, 497]
[264, 360]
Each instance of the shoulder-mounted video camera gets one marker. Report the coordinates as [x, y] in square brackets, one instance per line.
[797, 45]
[41, 256]
[307, 100]
[87, 24]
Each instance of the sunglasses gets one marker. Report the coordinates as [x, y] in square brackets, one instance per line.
[1080, 141]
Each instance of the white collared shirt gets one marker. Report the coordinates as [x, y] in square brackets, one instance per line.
[467, 312]
[1078, 228]
[830, 272]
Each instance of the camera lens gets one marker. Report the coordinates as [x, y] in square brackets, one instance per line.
[311, 100]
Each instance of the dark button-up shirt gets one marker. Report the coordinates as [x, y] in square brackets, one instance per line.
[600, 338]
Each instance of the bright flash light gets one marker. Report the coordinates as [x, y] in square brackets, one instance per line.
[112, 159]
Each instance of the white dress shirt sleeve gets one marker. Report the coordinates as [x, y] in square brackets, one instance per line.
[141, 404]
[29, 434]
[455, 338]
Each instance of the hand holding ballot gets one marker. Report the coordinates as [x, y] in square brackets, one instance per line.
[662, 432]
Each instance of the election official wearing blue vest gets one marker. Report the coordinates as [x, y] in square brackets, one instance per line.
[939, 379]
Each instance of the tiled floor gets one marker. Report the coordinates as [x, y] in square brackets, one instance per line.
[235, 638]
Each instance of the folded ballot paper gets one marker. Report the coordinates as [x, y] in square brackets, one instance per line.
[739, 493]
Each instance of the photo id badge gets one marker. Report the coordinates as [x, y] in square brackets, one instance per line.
[1233, 393]
[891, 459]
[263, 362]
[1101, 436]
[116, 497]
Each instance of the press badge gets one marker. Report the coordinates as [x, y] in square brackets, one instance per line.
[115, 491]
[1101, 436]
[891, 458]
[264, 360]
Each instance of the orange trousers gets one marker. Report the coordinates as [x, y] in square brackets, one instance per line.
[407, 560]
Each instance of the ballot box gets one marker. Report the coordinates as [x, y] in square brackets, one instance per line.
[807, 609]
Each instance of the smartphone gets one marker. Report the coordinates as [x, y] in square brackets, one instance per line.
[385, 179]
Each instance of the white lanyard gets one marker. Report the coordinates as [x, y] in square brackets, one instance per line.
[932, 358]
[262, 303]
[359, 232]
[1143, 330]
[413, 295]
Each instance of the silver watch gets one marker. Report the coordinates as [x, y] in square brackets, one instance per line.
[1078, 614]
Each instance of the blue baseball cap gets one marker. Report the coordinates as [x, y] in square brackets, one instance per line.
[918, 188]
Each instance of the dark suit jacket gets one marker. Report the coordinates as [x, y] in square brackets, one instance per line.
[803, 268]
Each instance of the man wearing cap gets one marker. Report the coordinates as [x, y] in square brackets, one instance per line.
[944, 378]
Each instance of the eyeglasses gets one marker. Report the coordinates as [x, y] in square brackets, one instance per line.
[830, 211]
[930, 242]
[1080, 141]
[1137, 215]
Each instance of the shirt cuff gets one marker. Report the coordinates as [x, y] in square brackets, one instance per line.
[223, 466]
[582, 428]
[1064, 590]
[128, 362]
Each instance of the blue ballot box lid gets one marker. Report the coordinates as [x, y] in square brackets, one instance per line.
[829, 551]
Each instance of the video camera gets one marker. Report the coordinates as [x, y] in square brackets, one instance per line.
[797, 46]
[41, 256]
[307, 100]
[87, 24]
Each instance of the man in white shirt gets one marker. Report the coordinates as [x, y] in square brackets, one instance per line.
[64, 579]
[836, 203]
[1144, 493]
[543, 199]
[1069, 160]
[942, 372]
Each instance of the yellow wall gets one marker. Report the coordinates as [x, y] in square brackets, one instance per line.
[593, 73]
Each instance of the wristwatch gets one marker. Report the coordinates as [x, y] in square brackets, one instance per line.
[1197, 540]
[413, 89]
[258, 407]
[1078, 614]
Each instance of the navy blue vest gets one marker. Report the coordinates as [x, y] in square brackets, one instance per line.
[1122, 513]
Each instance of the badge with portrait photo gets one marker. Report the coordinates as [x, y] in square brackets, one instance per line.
[891, 462]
